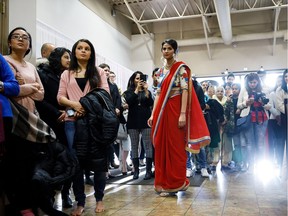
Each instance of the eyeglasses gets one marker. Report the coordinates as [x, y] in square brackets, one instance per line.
[17, 37]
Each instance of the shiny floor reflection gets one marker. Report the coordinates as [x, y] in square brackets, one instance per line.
[224, 193]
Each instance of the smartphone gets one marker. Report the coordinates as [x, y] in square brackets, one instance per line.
[70, 112]
[143, 77]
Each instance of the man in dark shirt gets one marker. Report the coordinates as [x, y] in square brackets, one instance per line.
[116, 98]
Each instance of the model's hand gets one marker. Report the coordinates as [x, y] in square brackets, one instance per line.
[182, 120]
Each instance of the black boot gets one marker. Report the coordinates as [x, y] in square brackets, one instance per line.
[67, 202]
[136, 168]
[148, 174]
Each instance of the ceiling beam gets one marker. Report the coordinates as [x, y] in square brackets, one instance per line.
[140, 29]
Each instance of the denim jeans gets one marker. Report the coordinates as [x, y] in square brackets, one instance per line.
[70, 132]
[79, 187]
[202, 158]
[253, 142]
[188, 162]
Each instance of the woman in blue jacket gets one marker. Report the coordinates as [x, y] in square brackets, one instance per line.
[8, 87]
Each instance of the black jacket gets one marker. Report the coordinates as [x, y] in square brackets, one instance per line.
[49, 107]
[139, 109]
[96, 130]
[55, 165]
[116, 98]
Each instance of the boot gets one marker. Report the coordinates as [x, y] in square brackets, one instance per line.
[66, 200]
[148, 174]
[136, 168]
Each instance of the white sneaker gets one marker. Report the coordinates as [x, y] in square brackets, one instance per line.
[189, 173]
[204, 172]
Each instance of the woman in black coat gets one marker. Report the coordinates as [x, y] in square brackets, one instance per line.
[49, 109]
[140, 101]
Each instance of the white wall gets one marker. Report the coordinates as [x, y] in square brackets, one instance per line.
[76, 21]
[63, 22]
[23, 14]
[249, 54]
[141, 60]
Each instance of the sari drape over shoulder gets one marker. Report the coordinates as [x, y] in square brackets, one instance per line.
[170, 141]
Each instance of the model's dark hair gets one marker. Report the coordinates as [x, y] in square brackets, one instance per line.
[284, 84]
[253, 76]
[92, 74]
[131, 84]
[30, 39]
[172, 43]
[55, 59]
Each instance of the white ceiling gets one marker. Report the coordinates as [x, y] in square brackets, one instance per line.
[207, 21]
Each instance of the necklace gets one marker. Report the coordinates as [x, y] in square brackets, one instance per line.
[168, 66]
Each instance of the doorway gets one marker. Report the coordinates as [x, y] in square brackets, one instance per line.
[4, 26]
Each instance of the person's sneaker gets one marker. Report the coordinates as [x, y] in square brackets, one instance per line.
[189, 173]
[204, 172]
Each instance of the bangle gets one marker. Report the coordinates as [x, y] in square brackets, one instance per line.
[183, 112]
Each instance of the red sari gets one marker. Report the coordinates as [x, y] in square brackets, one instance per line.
[171, 142]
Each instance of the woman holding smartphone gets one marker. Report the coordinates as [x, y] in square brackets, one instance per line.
[140, 101]
[251, 102]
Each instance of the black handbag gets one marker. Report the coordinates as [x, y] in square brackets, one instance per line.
[244, 123]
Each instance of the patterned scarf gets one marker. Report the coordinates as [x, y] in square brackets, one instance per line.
[30, 127]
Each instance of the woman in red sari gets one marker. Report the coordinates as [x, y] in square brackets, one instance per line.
[172, 133]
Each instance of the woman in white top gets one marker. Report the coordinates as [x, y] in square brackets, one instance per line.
[251, 101]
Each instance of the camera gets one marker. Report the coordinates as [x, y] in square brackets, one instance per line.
[70, 112]
[143, 77]
[261, 96]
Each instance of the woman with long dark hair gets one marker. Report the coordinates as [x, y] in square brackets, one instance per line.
[140, 101]
[81, 77]
[251, 101]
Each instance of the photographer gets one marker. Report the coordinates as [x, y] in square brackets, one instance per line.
[252, 101]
